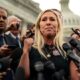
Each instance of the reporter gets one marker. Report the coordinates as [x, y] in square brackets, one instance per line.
[30, 32]
[74, 66]
[5, 51]
[4, 42]
[75, 44]
[13, 27]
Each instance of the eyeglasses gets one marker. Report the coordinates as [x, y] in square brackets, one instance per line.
[3, 17]
[15, 27]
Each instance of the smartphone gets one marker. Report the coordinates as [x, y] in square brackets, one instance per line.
[12, 46]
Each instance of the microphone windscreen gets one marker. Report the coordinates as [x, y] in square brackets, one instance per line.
[50, 65]
[66, 47]
[70, 54]
[73, 42]
[39, 66]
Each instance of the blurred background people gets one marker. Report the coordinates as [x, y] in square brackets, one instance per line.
[9, 52]
[75, 45]
[13, 29]
[30, 29]
[30, 32]
[75, 34]
[5, 71]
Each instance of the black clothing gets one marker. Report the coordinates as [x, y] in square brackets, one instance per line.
[1, 40]
[16, 52]
[7, 39]
[14, 55]
[20, 74]
[14, 41]
[55, 63]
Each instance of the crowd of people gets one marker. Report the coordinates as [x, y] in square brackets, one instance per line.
[42, 53]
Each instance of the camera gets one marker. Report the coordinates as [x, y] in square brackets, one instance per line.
[29, 34]
[76, 31]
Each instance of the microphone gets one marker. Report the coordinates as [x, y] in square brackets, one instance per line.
[50, 65]
[20, 74]
[39, 67]
[59, 75]
[29, 34]
[75, 43]
[70, 54]
[76, 31]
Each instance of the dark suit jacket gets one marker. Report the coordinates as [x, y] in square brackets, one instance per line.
[15, 54]
[11, 41]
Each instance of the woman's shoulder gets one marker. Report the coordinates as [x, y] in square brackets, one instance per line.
[34, 55]
[33, 49]
[34, 52]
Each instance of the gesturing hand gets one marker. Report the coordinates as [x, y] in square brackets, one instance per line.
[27, 44]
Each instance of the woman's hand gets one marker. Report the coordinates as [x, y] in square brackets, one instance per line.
[27, 44]
[24, 61]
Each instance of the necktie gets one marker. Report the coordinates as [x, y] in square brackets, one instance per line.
[2, 41]
[18, 42]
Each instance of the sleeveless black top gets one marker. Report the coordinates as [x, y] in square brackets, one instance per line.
[55, 68]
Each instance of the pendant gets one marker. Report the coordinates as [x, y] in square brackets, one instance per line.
[48, 55]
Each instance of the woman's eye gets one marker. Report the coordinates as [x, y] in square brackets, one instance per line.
[44, 19]
[52, 19]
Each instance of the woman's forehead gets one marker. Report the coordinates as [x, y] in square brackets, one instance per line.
[48, 13]
[54, 11]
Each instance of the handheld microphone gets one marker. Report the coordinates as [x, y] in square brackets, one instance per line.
[39, 67]
[59, 75]
[76, 31]
[50, 65]
[70, 53]
[75, 44]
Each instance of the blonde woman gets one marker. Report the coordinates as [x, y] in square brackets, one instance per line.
[46, 57]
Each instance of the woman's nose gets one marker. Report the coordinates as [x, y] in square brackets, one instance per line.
[48, 22]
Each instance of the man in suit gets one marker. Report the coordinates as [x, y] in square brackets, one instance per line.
[8, 56]
[4, 50]
[13, 28]
[3, 24]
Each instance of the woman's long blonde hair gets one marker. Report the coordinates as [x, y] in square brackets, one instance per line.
[39, 41]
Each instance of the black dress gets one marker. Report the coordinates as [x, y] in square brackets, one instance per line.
[55, 68]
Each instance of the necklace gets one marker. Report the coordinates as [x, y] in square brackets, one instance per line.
[48, 50]
[51, 51]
